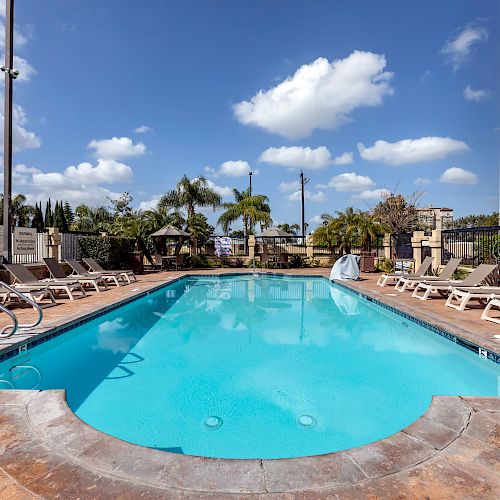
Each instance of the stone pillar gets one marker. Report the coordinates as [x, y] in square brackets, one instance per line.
[251, 246]
[310, 245]
[435, 244]
[416, 243]
[54, 243]
[387, 246]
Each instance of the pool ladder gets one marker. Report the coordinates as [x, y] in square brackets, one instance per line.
[11, 329]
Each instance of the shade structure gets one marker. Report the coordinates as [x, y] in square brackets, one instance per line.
[172, 232]
[274, 232]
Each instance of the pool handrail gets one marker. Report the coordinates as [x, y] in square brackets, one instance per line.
[26, 299]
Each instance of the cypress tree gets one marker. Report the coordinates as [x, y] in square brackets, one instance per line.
[49, 217]
[62, 218]
[68, 214]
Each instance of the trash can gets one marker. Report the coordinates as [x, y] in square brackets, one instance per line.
[367, 262]
[136, 262]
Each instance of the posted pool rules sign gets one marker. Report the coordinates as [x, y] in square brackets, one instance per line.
[24, 241]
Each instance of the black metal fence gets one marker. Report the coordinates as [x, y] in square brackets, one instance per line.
[474, 246]
[239, 246]
[294, 245]
[69, 244]
[376, 247]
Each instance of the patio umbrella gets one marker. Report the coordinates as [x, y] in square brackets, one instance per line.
[274, 232]
[171, 231]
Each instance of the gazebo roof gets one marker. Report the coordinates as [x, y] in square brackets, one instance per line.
[171, 231]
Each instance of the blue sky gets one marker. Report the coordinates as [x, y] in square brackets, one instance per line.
[365, 96]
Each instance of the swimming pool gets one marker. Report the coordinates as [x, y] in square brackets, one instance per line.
[244, 367]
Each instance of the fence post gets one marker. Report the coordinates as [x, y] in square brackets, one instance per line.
[435, 242]
[387, 246]
[54, 243]
[416, 243]
[251, 246]
[310, 245]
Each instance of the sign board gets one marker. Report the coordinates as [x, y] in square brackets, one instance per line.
[24, 241]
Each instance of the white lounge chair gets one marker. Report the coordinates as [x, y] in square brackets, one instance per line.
[494, 302]
[394, 277]
[26, 278]
[443, 288]
[409, 282]
[460, 296]
[126, 273]
[79, 270]
[57, 272]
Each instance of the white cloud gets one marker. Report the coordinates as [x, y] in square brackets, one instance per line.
[350, 182]
[411, 150]
[82, 183]
[104, 172]
[458, 49]
[143, 129]
[320, 95]
[224, 191]
[289, 186]
[372, 194]
[457, 175]
[116, 148]
[343, 159]
[26, 71]
[316, 219]
[22, 139]
[422, 181]
[318, 197]
[297, 157]
[475, 95]
[149, 204]
[237, 168]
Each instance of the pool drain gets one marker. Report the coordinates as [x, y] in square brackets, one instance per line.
[307, 421]
[213, 423]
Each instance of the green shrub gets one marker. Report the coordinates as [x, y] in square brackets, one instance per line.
[297, 261]
[385, 265]
[110, 251]
[198, 261]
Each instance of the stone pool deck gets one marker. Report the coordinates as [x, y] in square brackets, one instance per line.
[453, 451]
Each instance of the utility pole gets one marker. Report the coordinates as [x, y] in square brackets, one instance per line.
[303, 182]
[10, 75]
[250, 176]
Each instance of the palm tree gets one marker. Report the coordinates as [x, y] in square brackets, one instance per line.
[21, 212]
[348, 228]
[251, 209]
[188, 194]
[134, 225]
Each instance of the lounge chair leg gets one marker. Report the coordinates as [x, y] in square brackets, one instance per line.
[485, 314]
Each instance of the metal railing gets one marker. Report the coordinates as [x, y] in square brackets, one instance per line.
[5, 333]
[474, 246]
[239, 245]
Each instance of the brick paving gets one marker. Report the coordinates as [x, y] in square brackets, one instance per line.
[453, 451]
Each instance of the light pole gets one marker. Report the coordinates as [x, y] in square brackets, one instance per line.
[250, 176]
[303, 182]
[10, 75]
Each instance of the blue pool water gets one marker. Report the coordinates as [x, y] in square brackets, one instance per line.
[239, 367]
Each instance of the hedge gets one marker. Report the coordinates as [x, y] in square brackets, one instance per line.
[110, 251]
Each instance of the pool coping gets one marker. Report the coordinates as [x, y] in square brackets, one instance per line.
[43, 335]
[42, 421]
